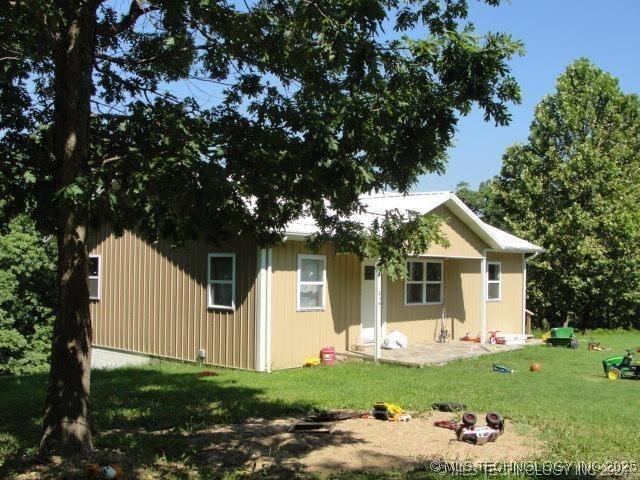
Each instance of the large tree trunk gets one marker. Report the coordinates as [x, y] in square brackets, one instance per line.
[66, 424]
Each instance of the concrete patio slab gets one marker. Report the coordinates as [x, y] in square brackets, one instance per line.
[426, 353]
[104, 358]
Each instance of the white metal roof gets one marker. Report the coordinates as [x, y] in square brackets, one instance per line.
[376, 206]
[511, 242]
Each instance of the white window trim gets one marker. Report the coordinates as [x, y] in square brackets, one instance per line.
[323, 282]
[211, 282]
[425, 282]
[499, 282]
[97, 277]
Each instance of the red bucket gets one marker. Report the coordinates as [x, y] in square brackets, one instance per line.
[328, 356]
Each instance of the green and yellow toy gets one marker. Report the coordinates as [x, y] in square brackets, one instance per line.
[561, 337]
[616, 368]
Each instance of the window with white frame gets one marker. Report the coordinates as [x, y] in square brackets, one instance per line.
[424, 282]
[311, 282]
[494, 275]
[222, 281]
[94, 277]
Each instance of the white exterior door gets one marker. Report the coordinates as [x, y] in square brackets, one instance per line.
[367, 300]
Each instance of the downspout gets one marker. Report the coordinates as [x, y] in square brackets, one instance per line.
[524, 289]
[524, 293]
[483, 309]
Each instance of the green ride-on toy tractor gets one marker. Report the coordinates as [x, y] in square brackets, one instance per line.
[621, 367]
[562, 337]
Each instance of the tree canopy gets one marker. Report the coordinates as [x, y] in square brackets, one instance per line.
[189, 118]
[481, 201]
[573, 189]
[289, 107]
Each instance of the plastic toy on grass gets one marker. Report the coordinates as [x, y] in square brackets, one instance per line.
[94, 471]
[501, 368]
[616, 368]
[562, 337]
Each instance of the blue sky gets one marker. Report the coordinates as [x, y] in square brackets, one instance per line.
[555, 32]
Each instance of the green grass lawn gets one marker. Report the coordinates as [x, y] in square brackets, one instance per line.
[580, 415]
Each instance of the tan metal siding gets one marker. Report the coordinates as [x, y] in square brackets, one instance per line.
[298, 335]
[153, 300]
[462, 288]
[463, 241]
[506, 315]
[462, 299]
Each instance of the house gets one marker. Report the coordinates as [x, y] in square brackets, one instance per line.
[243, 306]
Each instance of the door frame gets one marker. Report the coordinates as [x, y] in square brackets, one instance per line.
[383, 285]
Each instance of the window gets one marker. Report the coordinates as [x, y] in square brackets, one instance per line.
[369, 272]
[494, 271]
[222, 281]
[424, 282]
[94, 277]
[311, 282]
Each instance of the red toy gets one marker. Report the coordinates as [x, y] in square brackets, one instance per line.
[468, 432]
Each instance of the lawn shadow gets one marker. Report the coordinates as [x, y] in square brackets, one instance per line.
[173, 425]
[170, 423]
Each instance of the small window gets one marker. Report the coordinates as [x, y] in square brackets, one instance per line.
[311, 282]
[94, 277]
[494, 275]
[222, 281]
[424, 282]
[369, 272]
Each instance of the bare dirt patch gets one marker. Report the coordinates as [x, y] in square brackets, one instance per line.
[268, 445]
[359, 444]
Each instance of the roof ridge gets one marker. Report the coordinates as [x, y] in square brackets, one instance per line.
[409, 194]
[425, 202]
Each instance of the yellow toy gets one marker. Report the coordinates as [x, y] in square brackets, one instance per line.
[390, 412]
[394, 409]
[312, 362]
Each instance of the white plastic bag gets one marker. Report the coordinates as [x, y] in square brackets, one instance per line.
[395, 340]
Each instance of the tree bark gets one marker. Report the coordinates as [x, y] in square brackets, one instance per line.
[66, 424]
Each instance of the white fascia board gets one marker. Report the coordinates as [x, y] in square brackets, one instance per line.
[465, 214]
[530, 251]
[296, 236]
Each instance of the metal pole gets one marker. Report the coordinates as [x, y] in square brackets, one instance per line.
[524, 293]
[483, 310]
[377, 326]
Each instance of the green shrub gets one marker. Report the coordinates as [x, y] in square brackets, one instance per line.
[27, 297]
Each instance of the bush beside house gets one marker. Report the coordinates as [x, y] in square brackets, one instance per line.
[27, 297]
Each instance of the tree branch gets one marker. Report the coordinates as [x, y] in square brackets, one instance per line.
[110, 58]
[136, 10]
[130, 61]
